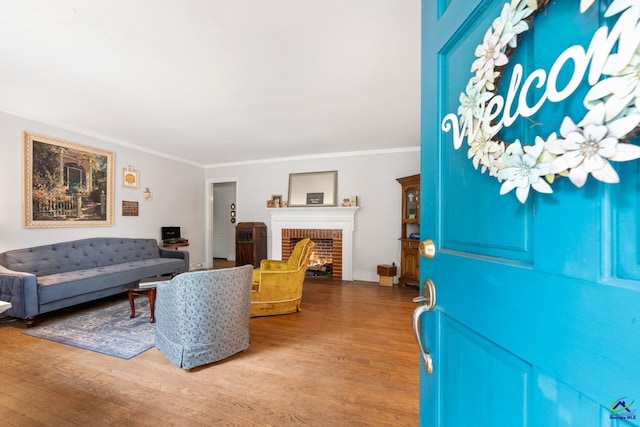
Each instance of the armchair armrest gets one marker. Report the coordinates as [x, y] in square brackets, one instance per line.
[279, 284]
[21, 290]
[167, 253]
[274, 265]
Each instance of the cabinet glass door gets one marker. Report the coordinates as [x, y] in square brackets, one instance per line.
[412, 204]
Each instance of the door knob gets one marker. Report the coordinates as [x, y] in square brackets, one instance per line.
[427, 248]
[427, 303]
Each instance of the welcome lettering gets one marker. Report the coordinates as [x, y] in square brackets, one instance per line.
[496, 114]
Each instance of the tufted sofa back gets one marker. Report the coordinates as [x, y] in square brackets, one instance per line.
[79, 255]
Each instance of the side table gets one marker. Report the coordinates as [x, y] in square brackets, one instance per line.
[386, 273]
[176, 246]
[144, 289]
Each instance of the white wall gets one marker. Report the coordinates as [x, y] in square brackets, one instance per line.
[179, 195]
[177, 189]
[370, 176]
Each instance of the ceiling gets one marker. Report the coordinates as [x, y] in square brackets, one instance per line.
[213, 82]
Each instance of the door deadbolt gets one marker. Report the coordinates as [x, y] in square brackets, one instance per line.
[427, 248]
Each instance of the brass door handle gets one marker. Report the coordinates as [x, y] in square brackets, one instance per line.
[427, 303]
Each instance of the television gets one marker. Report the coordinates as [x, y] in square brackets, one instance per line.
[170, 233]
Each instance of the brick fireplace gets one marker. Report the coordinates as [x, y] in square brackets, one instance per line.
[328, 245]
[315, 223]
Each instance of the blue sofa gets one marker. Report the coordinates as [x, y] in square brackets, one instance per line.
[45, 278]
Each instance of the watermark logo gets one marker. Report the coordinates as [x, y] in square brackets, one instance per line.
[621, 409]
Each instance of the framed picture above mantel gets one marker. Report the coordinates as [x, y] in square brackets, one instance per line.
[313, 189]
[66, 184]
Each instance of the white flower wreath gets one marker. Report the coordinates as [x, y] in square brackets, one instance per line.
[582, 149]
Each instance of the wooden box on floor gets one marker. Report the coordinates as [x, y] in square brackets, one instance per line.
[386, 281]
[386, 273]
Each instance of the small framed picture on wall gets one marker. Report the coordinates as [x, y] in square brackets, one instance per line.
[130, 178]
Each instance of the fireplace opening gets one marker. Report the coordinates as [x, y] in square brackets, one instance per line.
[321, 259]
[326, 258]
[322, 269]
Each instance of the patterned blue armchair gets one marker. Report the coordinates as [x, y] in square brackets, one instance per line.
[203, 316]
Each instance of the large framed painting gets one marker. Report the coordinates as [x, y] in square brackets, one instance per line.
[66, 184]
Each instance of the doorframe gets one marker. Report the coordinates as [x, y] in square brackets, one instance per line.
[208, 215]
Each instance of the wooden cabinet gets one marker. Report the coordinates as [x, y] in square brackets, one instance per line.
[409, 262]
[410, 231]
[251, 243]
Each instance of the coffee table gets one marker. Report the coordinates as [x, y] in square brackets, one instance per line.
[144, 289]
[4, 306]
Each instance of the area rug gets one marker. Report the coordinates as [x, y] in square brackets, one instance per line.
[106, 329]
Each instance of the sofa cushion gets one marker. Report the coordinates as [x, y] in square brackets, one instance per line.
[58, 286]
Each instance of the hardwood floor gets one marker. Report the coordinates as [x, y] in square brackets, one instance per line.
[348, 359]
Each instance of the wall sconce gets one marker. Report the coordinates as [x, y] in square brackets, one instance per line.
[147, 194]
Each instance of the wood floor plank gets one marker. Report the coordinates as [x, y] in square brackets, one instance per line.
[348, 359]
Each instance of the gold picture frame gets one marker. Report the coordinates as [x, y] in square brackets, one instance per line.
[66, 184]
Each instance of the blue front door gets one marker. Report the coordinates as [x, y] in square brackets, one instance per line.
[537, 308]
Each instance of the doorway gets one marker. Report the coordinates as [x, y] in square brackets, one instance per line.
[223, 221]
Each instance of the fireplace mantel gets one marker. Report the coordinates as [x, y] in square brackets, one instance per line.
[340, 218]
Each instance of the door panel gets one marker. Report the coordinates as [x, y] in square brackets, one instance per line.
[625, 258]
[538, 304]
[487, 371]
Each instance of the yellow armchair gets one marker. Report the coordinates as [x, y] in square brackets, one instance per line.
[277, 285]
